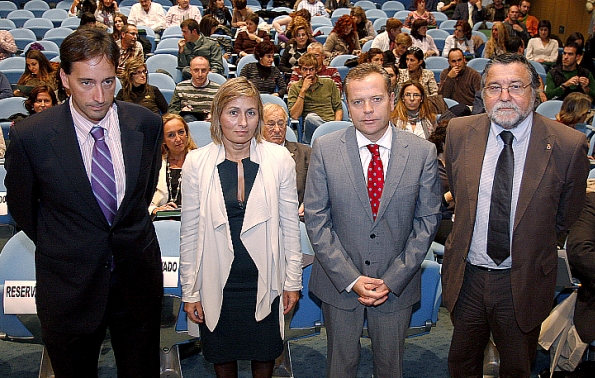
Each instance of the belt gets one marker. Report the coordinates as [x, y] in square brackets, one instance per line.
[486, 269]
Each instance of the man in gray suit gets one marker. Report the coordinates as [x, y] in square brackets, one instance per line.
[369, 251]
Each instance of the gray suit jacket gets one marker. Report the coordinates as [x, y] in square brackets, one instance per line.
[347, 241]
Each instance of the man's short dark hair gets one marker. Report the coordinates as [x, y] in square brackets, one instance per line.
[576, 46]
[85, 44]
[263, 48]
[514, 43]
[191, 24]
[455, 49]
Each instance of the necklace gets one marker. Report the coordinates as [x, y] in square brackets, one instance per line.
[172, 198]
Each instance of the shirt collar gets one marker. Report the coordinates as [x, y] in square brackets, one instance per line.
[385, 141]
[85, 126]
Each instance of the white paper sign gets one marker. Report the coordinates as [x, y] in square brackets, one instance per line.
[171, 265]
[19, 297]
[3, 208]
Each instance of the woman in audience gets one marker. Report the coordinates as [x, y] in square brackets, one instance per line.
[403, 41]
[364, 27]
[461, 38]
[393, 72]
[373, 55]
[8, 47]
[119, 21]
[79, 7]
[420, 13]
[105, 14]
[496, 45]
[266, 77]
[412, 111]
[240, 13]
[543, 49]
[343, 39]
[284, 35]
[415, 71]
[136, 89]
[297, 46]
[217, 9]
[237, 284]
[575, 109]
[208, 26]
[177, 142]
[38, 70]
[422, 40]
[40, 98]
[248, 39]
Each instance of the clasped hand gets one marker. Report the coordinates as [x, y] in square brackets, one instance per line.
[371, 291]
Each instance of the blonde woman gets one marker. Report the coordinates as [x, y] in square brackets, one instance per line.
[496, 45]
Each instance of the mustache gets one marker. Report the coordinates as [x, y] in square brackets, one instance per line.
[506, 105]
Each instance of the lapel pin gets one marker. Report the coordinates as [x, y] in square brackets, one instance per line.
[548, 146]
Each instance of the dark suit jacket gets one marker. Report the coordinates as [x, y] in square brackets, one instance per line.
[301, 155]
[462, 13]
[347, 241]
[581, 254]
[51, 199]
[550, 201]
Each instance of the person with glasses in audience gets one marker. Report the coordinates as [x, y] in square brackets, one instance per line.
[297, 46]
[316, 49]
[136, 88]
[518, 180]
[412, 111]
[130, 48]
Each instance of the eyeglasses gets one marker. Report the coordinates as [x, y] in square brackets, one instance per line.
[140, 72]
[515, 90]
[412, 95]
[272, 124]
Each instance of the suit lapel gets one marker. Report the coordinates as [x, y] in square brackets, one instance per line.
[399, 155]
[256, 214]
[474, 150]
[353, 166]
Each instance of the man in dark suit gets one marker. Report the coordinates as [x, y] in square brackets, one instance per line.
[80, 177]
[464, 8]
[499, 268]
[372, 208]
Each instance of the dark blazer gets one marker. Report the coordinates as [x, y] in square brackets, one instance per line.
[581, 254]
[301, 155]
[462, 13]
[550, 201]
[51, 199]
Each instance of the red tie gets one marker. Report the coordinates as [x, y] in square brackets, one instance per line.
[375, 179]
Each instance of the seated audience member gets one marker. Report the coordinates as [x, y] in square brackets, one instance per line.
[274, 130]
[364, 27]
[136, 88]
[447, 7]
[422, 40]
[415, 71]
[412, 111]
[315, 99]
[372, 56]
[88, 20]
[461, 39]
[177, 142]
[385, 41]
[5, 87]
[402, 43]
[240, 14]
[297, 45]
[119, 21]
[39, 99]
[38, 70]
[217, 9]
[149, 14]
[249, 38]
[332, 5]
[530, 22]
[575, 109]
[62, 93]
[105, 14]
[568, 77]
[315, 7]
[583, 60]
[464, 8]
[183, 11]
[496, 44]
[208, 27]
[343, 39]
[130, 48]
[316, 49]
[496, 11]
[266, 77]
[420, 13]
[514, 27]
[195, 44]
[192, 98]
[393, 73]
[542, 48]
[459, 82]
[79, 7]
[8, 47]
[284, 35]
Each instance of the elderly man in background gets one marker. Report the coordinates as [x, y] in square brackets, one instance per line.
[183, 11]
[149, 14]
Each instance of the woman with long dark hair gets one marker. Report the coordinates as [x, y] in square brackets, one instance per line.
[422, 40]
[217, 9]
[364, 27]
[412, 111]
[105, 13]
[38, 70]
[136, 88]
[416, 71]
[120, 20]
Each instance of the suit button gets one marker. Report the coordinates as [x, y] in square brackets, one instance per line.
[367, 262]
[372, 236]
[107, 265]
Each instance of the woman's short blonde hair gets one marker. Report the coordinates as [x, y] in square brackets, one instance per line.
[232, 90]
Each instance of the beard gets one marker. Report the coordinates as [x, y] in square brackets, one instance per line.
[508, 115]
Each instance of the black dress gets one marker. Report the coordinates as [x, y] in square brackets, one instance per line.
[238, 336]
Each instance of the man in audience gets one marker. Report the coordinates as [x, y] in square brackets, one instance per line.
[5, 87]
[316, 49]
[130, 47]
[518, 180]
[385, 41]
[459, 82]
[192, 98]
[315, 99]
[274, 130]
[470, 11]
[315, 7]
[569, 76]
[513, 25]
[372, 209]
[496, 11]
[195, 44]
[530, 22]
[148, 14]
[183, 11]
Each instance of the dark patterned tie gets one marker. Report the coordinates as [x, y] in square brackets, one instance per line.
[103, 181]
[375, 179]
[498, 247]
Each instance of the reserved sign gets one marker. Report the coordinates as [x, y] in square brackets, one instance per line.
[19, 297]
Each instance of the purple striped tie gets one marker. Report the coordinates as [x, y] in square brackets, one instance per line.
[103, 180]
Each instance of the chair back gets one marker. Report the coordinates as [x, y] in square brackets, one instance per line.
[438, 33]
[37, 7]
[379, 23]
[242, 62]
[436, 62]
[174, 31]
[6, 7]
[448, 25]
[374, 14]
[425, 314]
[392, 6]
[71, 22]
[55, 15]
[367, 46]
[365, 4]
[320, 21]
[401, 15]
[478, 64]
[340, 60]
[168, 46]
[165, 62]
[22, 37]
[200, 132]
[57, 35]
[6, 24]
[217, 78]
[549, 108]
[329, 127]
[12, 105]
[19, 17]
[450, 102]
